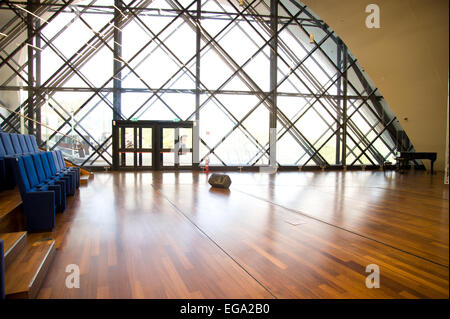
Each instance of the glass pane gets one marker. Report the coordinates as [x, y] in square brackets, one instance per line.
[185, 138]
[168, 159]
[168, 138]
[147, 137]
[146, 159]
[129, 159]
[185, 159]
[129, 137]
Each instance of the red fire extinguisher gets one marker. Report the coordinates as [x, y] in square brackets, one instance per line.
[207, 165]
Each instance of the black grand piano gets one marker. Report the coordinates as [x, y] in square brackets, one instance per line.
[405, 157]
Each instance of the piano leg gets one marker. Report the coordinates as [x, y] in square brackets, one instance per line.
[432, 164]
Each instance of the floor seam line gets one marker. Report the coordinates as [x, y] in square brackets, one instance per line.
[214, 242]
[344, 229]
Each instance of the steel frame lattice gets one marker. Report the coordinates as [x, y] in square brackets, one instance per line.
[358, 126]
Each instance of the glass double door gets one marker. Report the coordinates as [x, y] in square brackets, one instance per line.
[152, 145]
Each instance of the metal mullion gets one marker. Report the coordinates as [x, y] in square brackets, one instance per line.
[87, 46]
[18, 28]
[318, 139]
[311, 105]
[373, 141]
[376, 104]
[165, 47]
[103, 7]
[124, 77]
[292, 70]
[278, 132]
[129, 61]
[254, 84]
[80, 61]
[365, 118]
[246, 132]
[348, 82]
[97, 89]
[57, 143]
[216, 45]
[77, 122]
[18, 68]
[51, 40]
[362, 140]
[305, 70]
[118, 70]
[317, 99]
[196, 129]
[74, 69]
[65, 121]
[189, 61]
[339, 127]
[17, 72]
[289, 66]
[95, 150]
[77, 72]
[188, 70]
[10, 24]
[36, 32]
[368, 106]
[372, 127]
[362, 116]
[98, 155]
[289, 53]
[253, 41]
[332, 62]
[211, 151]
[24, 103]
[328, 33]
[6, 120]
[117, 83]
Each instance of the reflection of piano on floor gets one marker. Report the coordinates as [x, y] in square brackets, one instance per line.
[405, 157]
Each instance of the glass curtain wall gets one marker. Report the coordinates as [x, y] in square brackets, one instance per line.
[77, 65]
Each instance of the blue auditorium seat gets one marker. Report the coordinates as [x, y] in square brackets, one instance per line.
[48, 172]
[16, 144]
[50, 180]
[2, 166]
[7, 144]
[34, 144]
[2, 270]
[29, 142]
[62, 165]
[55, 170]
[38, 202]
[9, 154]
[61, 169]
[33, 179]
[24, 145]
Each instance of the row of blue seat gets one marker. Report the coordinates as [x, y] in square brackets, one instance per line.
[43, 179]
[12, 145]
[44, 182]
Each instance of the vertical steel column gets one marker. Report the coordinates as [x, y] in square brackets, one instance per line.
[196, 128]
[39, 93]
[273, 83]
[117, 82]
[344, 103]
[339, 104]
[29, 112]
